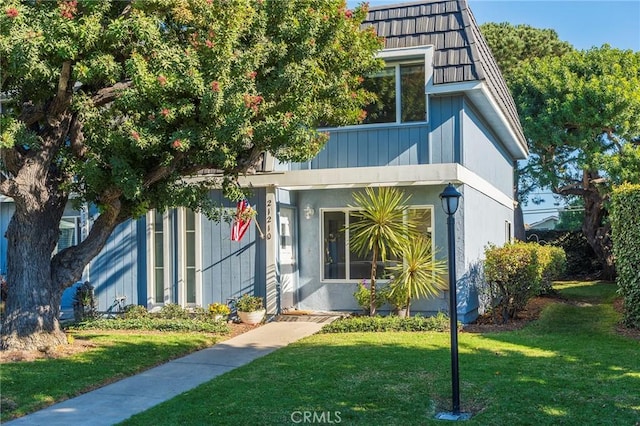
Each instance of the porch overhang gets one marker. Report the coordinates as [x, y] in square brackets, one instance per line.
[360, 177]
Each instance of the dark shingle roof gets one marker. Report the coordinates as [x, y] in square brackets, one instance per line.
[460, 52]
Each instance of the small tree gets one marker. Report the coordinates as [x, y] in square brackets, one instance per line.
[379, 229]
[420, 275]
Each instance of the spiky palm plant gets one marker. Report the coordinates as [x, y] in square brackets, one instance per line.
[420, 275]
[380, 228]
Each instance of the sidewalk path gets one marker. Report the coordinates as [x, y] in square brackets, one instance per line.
[120, 400]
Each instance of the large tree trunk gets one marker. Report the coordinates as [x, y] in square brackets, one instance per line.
[33, 300]
[598, 234]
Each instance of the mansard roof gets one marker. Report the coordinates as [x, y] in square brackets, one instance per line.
[460, 52]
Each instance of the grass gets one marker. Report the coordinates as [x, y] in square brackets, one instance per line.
[29, 386]
[569, 367]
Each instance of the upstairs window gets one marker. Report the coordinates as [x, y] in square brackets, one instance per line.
[406, 79]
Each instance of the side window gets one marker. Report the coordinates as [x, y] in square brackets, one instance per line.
[69, 233]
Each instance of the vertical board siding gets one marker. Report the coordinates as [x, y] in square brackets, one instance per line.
[397, 145]
[114, 271]
[232, 268]
[445, 129]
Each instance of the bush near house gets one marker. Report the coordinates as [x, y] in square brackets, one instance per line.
[625, 227]
[439, 322]
[552, 262]
[517, 272]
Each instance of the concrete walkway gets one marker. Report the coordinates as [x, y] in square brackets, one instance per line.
[120, 400]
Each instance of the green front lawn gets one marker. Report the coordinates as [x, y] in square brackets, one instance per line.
[29, 386]
[567, 368]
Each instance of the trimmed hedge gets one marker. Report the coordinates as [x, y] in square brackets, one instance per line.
[625, 230]
[149, 323]
[518, 271]
[439, 322]
[581, 260]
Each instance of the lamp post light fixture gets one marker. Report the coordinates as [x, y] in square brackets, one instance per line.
[450, 200]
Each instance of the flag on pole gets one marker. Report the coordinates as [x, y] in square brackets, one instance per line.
[242, 221]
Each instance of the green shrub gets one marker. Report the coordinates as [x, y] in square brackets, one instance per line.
[173, 311]
[625, 230]
[363, 296]
[513, 277]
[552, 262]
[439, 322]
[581, 261]
[135, 311]
[153, 323]
[200, 314]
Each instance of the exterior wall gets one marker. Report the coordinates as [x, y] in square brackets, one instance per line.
[444, 138]
[482, 153]
[315, 294]
[483, 222]
[231, 268]
[120, 268]
[377, 145]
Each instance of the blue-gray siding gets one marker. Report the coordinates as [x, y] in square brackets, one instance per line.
[120, 268]
[395, 145]
[483, 154]
[231, 268]
[444, 139]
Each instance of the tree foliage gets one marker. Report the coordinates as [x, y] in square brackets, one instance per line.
[513, 46]
[580, 114]
[120, 102]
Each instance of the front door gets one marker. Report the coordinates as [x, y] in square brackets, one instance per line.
[287, 259]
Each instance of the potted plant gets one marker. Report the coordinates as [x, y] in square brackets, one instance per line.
[219, 310]
[250, 309]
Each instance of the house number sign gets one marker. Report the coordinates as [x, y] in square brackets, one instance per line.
[269, 218]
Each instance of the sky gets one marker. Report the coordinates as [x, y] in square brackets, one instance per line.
[583, 23]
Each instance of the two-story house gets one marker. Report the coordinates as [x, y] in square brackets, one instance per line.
[444, 115]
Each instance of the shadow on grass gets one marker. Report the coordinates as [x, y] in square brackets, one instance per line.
[532, 376]
[29, 386]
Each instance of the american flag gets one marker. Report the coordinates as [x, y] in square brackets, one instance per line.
[241, 222]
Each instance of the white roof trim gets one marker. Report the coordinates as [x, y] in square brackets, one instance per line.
[479, 93]
[360, 177]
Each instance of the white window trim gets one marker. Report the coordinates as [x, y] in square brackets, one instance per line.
[395, 58]
[151, 271]
[180, 249]
[348, 263]
[181, 261]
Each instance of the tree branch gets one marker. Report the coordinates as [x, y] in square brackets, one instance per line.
[76, 137]
[67, 266]
[109, 94]
[31, 114]
[62, 98]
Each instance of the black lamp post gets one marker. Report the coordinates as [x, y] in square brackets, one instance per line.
[450, 199]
